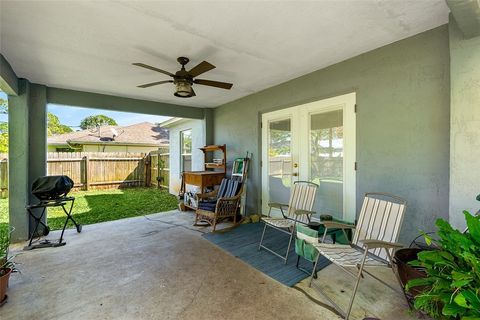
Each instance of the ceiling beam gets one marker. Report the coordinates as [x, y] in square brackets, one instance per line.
[102, 101]
[8, 78]
[467, 15]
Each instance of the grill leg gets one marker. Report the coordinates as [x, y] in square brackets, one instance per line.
[38, 220]
[69, 217]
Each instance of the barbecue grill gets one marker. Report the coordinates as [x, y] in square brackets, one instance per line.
[52, 191]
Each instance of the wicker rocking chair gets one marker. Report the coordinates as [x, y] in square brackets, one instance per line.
[221, 204]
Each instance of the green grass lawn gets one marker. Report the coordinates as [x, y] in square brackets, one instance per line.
[106, 205]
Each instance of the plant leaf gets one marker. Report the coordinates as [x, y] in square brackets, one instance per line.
[461, 300]
[473, 224]
[418, 282]
[452, 309]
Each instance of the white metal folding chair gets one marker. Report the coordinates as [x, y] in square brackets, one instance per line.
[373, 244]
[299, 210]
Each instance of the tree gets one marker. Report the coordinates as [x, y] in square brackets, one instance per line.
[55, 127]
[3, 106]
[3, 127]
[3, 137]
[97, 121]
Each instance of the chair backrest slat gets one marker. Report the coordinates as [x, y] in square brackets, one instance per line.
[381, 218]
[229, 188]
[302, 197]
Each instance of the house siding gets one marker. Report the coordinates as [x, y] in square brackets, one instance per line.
[402, 123]
[198, 141]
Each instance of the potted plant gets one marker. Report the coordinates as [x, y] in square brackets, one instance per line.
[451, 286]
[7, 266]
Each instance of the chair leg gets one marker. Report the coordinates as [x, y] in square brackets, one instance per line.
[288, 249]
[314, 271]
[261, 239]
[196, 219]
[359, 276]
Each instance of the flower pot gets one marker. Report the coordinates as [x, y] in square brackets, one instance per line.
[407, 272]
[4, 284]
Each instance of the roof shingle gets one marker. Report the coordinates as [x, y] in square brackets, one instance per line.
[140, 133]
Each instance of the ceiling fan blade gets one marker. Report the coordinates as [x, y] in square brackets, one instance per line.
[211, 83]
[146, 66]
[200, 68]
[193, 93]
[153, 84]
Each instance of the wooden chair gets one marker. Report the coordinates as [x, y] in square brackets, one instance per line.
[373, 244]
[299, 210]
[222, 203]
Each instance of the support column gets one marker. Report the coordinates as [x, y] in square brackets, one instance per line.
[37, 136]
[208, 123]
[27, 151]
[464, 124]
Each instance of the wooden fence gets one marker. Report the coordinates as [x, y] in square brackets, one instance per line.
[103, 170]
[159, 167]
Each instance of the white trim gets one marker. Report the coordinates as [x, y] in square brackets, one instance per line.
[174, 121]
[180, 139]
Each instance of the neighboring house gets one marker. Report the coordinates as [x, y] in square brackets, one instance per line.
[140, 137]
[186, 137]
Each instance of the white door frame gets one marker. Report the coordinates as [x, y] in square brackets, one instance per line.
[300, 127]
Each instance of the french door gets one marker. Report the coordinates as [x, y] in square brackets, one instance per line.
[312, 142]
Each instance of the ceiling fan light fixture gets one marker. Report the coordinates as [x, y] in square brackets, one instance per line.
[183, 89]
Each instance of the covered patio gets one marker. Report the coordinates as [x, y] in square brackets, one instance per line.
[159, 267]
[410, 71]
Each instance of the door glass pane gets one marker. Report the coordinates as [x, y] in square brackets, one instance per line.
[326, 161]
[279, 160]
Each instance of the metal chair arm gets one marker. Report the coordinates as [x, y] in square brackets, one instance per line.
[339, 225]
[373, 244]
[277, 205]
[303, 212]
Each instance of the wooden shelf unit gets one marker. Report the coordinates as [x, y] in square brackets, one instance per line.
[213, 174]
[212, 165]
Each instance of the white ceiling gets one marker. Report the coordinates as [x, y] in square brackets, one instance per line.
[90, 46]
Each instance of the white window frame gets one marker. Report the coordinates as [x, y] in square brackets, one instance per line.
[181, 139]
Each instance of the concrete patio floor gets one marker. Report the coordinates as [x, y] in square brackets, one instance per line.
[159, 267]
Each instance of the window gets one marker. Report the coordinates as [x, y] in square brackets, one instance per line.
[186, 150]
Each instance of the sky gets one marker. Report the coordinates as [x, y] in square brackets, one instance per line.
[71, 116]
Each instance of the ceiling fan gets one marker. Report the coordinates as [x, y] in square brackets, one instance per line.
[184, 79]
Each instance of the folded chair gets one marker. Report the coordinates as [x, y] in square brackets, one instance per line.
[220, 204]
[304, 247]
[299, 210]
[373, 244]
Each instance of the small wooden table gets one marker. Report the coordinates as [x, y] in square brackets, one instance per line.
[202, 179]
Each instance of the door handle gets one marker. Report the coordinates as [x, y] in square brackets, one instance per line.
[295, 174]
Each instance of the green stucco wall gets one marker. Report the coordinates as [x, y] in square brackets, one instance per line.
[465, 124]
[402, 122]
[27, 116]
[18, 160]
